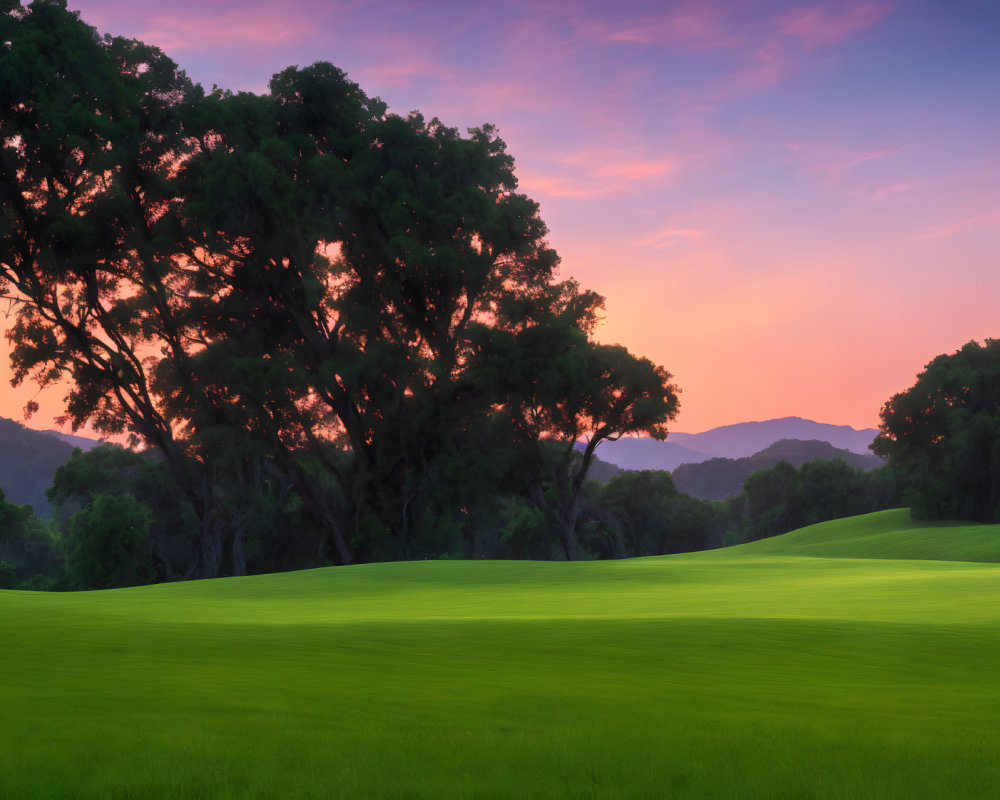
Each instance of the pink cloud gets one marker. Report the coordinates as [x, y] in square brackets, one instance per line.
[598, 170]
[701, 27]
[256, 26]
[829, 24]
[987, 219]
[835, 164]
[779, 54]
[668, 236]
[402, 72]
[635, 170]
[894, 190]
[558, 186]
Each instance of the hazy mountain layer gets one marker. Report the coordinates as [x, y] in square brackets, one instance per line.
[730, 441]
[719, 478]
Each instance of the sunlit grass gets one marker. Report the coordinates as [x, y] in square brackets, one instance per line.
[758, 671]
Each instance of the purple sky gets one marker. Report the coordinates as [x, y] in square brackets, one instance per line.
[792, 206]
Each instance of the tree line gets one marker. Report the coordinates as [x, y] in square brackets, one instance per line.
[119, 520]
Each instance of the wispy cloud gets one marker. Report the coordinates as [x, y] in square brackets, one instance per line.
[835, 163]
[987, 219]
[404, 72]
[703, 26]
[789, 37]
[634, 170]
[665, 237]
[598, 170]
[537, 183]
[828, 24]
[260, 26]
[894, 190]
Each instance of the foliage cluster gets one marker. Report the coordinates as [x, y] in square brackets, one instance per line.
[783, 498]
[311, 309]
[943, 436]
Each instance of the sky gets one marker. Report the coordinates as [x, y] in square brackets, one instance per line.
[792, 206]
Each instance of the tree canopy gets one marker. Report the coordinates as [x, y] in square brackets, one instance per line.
[296, 297]
[942, 435]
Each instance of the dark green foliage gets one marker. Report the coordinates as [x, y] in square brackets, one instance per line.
[107, 544]
[648, 514]
[8, 576]
[942, 436]
[313, 310]
[781, 499]
[26, 542]
[721, 478]
[114, 470]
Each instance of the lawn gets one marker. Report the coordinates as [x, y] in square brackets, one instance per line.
[818, 664]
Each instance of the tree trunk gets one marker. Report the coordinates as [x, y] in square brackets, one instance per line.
[567, 532]
[239, 555]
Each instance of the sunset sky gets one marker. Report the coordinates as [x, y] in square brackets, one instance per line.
[792, 206]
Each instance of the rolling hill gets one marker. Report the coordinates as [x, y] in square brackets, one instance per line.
[793, 667]
[885, 534]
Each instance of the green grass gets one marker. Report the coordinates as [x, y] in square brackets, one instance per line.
[888, 534]
[817, 664]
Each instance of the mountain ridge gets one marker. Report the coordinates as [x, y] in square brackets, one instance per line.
[721, 478]
[739, 440]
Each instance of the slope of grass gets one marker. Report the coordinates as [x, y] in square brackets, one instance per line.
[736, 673]
[886, 534]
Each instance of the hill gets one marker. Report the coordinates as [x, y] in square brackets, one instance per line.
[638, 453]
[730, 441]
[28, 461]
[85, 443]
[885, 534]
[719, 478]
[746, 438]
[762, 673]
[602, 471]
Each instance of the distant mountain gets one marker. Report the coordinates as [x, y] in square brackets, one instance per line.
[602, 471]
[719, 478]
[28, 461]
[746, 438]
[730, 441]
[85, 443]
[646, 453]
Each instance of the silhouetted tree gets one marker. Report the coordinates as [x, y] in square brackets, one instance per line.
[296, 288]
[92, 136]
[942, 436]
[561, 389]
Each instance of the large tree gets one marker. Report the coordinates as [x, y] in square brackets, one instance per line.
[92, 134]
[942, 436]
[296, 288]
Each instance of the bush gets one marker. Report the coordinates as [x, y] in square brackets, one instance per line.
[106, 544]
[8, 576]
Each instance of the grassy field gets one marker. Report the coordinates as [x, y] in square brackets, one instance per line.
[817, 664]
